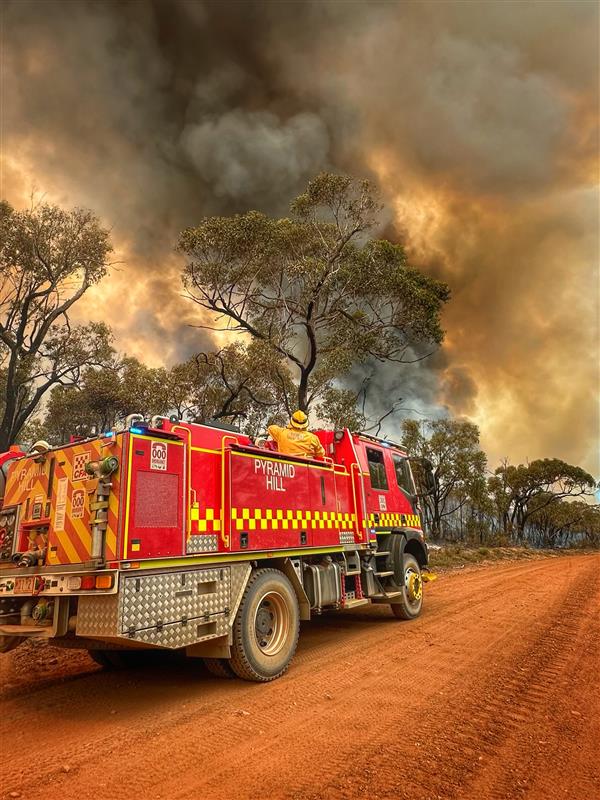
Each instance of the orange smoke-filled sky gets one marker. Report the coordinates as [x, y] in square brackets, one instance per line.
[478, 121]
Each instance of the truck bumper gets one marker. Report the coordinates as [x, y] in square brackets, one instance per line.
[160, 608]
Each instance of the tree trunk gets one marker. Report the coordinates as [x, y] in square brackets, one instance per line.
[5, 440]
[7, 432]
[303, 391]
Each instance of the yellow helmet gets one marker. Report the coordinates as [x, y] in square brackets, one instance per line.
[299, 420]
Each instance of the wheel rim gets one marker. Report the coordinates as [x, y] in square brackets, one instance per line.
[272, 623]
[414, 585]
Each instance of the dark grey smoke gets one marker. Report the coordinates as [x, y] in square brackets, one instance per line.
[478, 119]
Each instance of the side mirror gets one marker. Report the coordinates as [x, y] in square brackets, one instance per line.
[430, 481]
[425, 478]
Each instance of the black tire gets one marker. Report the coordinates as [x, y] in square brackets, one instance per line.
[100, 657]
[219, 667]
[266, 627]
[118, 659]
[411, 603]
[8, 643]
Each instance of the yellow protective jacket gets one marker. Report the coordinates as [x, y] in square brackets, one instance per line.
[292, 442]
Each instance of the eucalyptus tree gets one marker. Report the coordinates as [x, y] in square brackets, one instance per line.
[317, 288]
[49, 258]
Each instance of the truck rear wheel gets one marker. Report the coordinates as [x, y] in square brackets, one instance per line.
[411, 602]
[118, 659]
[266, 627]
[101, 657]
[8, 643]
[219, 667]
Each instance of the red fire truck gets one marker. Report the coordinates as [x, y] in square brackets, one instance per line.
[188, 536]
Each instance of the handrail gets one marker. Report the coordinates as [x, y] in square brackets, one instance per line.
[264, 453]
[359, 527]
[188, 526]
[224, 536]
[133, 418]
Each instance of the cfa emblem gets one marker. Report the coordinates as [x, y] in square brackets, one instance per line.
[158, 456]
[79, 462]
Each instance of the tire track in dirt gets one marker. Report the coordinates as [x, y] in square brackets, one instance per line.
[474, 721]
[306, 697]
[447, 706]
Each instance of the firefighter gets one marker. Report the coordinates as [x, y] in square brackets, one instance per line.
[296, 439]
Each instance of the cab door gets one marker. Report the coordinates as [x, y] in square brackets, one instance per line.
[401, 485]
[388, 485]
[376, 469]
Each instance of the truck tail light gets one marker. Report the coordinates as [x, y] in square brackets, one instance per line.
[76, 582]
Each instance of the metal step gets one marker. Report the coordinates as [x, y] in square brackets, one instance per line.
[385, 598]
[26, 630]
[354, 603]
[385, 574]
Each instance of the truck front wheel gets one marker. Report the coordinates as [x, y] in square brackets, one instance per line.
[411, 601]
[266, 627]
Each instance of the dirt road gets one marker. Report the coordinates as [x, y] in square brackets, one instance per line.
[493, 693]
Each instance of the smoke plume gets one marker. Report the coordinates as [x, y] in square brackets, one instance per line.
[477, 120]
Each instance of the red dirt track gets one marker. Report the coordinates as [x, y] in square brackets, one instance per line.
[493, 693]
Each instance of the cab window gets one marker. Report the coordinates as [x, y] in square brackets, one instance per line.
[377, 468]
[403, 475]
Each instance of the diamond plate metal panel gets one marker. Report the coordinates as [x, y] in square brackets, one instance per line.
[178, 634]
[98, 616]
[239, 578]
[175, 609]
[207, 543]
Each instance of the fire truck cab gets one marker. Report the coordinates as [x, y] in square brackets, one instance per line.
[189, 537]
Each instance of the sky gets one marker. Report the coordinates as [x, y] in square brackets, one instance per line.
[478, 121]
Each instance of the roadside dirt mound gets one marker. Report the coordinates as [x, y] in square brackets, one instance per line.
[35, 663]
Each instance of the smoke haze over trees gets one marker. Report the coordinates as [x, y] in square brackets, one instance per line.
[478, 122]
[309, 299]
[315, 289]
[313, 294]
[49, 259]
[532, 503]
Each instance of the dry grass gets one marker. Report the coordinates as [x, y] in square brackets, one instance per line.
[453, 556]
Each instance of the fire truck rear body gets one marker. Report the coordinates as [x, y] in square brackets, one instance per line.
[150, 536]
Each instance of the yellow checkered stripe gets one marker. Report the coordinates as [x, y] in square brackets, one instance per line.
[204, 520]
[279, 519]
[385, 520]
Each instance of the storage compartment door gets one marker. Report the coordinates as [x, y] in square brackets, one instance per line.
[156, 509]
